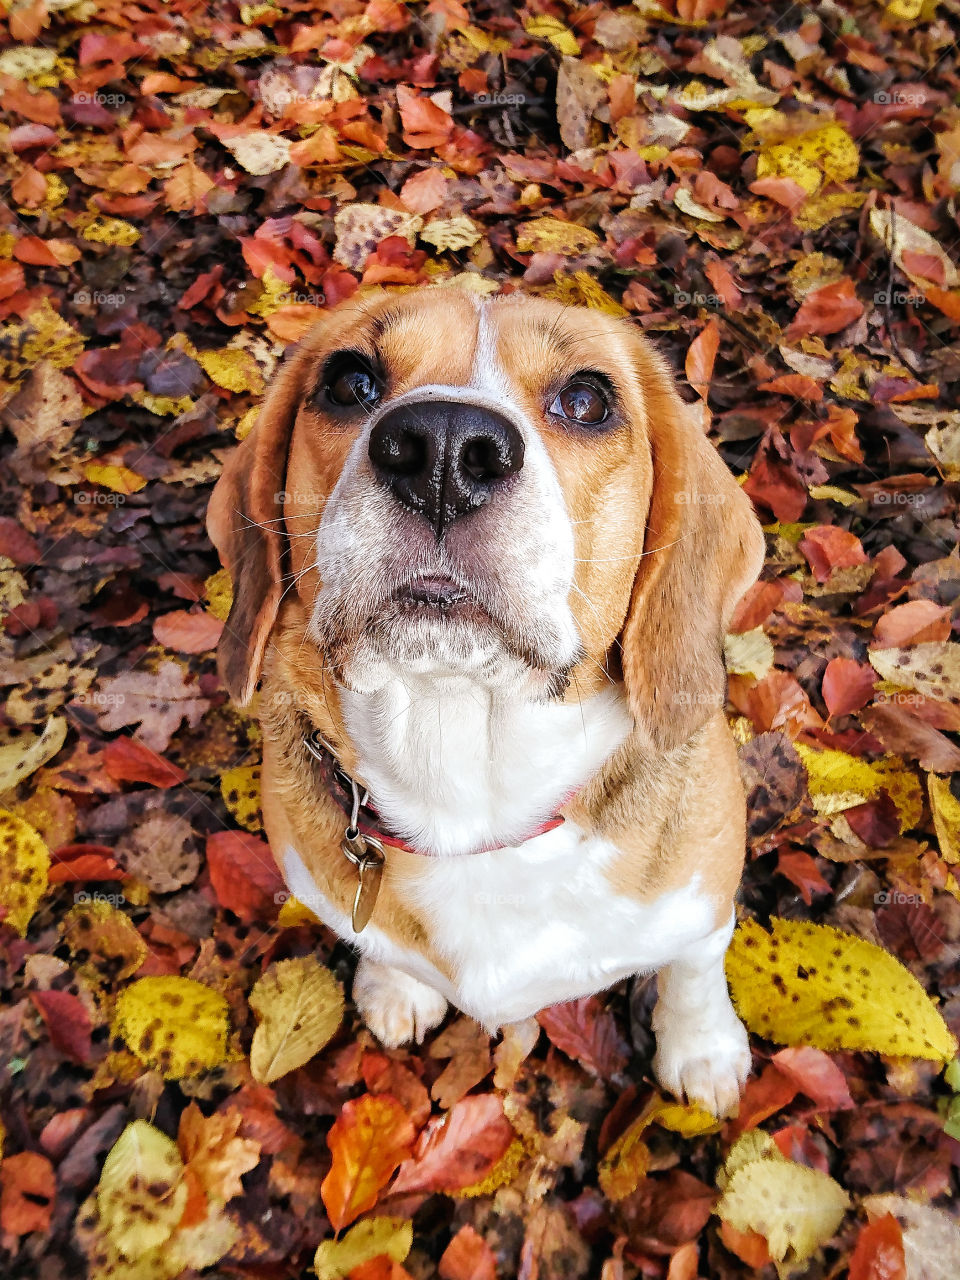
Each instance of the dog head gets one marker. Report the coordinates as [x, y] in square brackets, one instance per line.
[509, 490]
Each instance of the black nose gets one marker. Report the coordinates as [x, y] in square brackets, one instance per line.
[443, 459]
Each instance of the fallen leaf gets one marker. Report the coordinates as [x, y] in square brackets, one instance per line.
[849, 993]
[300, 1004]
[369, 1139]
[173, 1024]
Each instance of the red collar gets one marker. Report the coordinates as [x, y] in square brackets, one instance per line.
[354, 799]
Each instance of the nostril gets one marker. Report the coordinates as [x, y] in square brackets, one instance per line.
[478, 459]
[486, 458]
[401, 452]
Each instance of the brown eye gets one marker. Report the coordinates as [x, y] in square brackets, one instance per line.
[351, 384]
[581, 402]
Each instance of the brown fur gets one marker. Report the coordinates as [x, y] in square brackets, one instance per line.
[665, 542]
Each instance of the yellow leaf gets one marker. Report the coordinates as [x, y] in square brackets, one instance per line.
[240, 789]
[797, 1209]
[946, 817]
[748, 653]
[233, 369]
[553, 235]
[825, 154]
[300, 1004]
[106, 936]
[293, 913]
[174, 1024]
[932, 668]
[626, 1161]
[813, 984]
[838, 781]
[24, 864]
[391, 1237]
[218, 593]
[686, 204]
[552, 29]
[451, 233]
[141, 1194]
[23, 753]
[23, 61]
[260, 153]
[905, 10]
[115, 231]
[753, 1145]
[117, 479]
[579, 289]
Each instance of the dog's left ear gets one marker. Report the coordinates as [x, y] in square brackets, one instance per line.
[703, 547]
[245, 523]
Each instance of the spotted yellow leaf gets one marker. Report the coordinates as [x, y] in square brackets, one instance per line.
[932, 668]
[103, 941]
[24, 867]
[376, 1237]
[115, 231]
[579, 289]
[553, 235]
[240, 789]
[218, 593]
[827, 154]
[838, 781]
[174, 1024]
[141, 1195]
[813, 984]
[451, 233]
[293, 913]
[561, 37]
[300, 1004]
[24, 750]
[946, 817]
[795, 1208]
[233, 369]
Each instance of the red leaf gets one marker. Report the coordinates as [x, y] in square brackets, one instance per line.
[458, 1149]
[127, 760]
[701, 357]
[915, 622]
[188, 632]
[763, 1096]
[369, 1139]
[586, 1031]
[244, 874]
[816, 1074]
[774, 481]
[801, 870]
[27, 1191]
[82, 862]
[826, 310]
[67, 1022]
[879, 1251]
[847, 685]
[827, 548]
[468, 1257]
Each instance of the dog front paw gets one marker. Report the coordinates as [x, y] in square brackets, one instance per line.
[396, 1007]
[709, 1069]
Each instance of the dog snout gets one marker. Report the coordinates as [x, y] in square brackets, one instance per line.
[443, 459]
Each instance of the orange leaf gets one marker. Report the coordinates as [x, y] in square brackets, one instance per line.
[27, 1191]
[425, 125]
[879, 1251]
[212, 1150]
[826, 310]
[370, 1138]
[701, 358]
[459, 1149]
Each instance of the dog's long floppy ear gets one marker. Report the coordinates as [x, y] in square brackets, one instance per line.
[244, 520]
[703, 548]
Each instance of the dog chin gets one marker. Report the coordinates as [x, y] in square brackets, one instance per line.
[407, 645]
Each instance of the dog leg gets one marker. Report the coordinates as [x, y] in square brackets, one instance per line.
[702, 1050]
[396, 1007]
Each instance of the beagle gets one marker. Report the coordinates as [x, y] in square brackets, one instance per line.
[483, 562]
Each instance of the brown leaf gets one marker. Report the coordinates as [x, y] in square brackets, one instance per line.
[586, 1031]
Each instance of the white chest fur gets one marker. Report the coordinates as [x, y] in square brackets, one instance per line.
[523, 928]
[518, 927]
[454, 765]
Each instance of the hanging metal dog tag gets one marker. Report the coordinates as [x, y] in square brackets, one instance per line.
[366, 854]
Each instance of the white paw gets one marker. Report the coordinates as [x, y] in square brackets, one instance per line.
[396, 1007]
[706, 1067]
